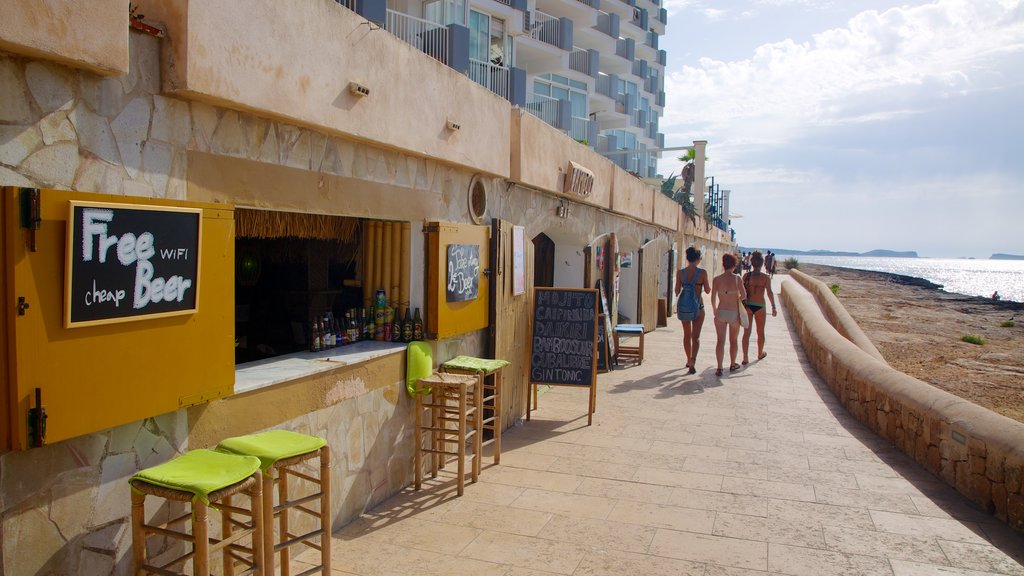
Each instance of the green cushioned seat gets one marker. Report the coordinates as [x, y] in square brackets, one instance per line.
[419, 363]
[200, 472]
[272, 445]
[475, 364]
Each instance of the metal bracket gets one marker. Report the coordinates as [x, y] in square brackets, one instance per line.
[31, 216]
[37, 422]
[22, 305]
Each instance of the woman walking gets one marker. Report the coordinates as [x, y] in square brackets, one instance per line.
[727, 289]
[690, 282]
[757, 284]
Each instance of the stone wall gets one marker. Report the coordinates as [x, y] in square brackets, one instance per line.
[976, 451]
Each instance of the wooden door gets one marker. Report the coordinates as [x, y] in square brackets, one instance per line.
[647, 306]
[510, 320]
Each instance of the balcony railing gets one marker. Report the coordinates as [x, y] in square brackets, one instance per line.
[604, 85]
[591, 3]
[491, 76]
[579, 60]
[545, 108]
[543, 27]
[578, 128]
[428, 37]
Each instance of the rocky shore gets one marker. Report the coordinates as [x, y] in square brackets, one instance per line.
[918, 328]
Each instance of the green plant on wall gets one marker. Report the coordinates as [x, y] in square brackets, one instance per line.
[791, 263]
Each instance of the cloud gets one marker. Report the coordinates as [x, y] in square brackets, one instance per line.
[952, 43]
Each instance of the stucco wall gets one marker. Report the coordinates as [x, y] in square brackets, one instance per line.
[91, 35]
[295, 60]
[975, 450]
[666, 211]
[541, 155]
[632, 196]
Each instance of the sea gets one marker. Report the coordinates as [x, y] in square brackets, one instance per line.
[958, 275]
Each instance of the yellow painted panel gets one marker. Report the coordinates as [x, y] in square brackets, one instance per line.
[446, 319]
[97, 377]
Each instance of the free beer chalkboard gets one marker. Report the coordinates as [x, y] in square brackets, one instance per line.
[130, 262]
[563, 345]
[463, 277]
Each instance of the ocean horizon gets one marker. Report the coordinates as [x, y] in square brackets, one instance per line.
[970, 277]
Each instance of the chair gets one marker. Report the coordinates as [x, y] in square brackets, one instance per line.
[489, 373]
[281, 454]
[634, 352]
[203, 478]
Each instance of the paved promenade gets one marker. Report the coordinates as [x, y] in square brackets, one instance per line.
[757, 472]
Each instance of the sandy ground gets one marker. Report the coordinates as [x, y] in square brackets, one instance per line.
[917, 328]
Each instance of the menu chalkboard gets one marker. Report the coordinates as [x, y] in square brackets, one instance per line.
[130, 261]
[563, 347]
[463, 279]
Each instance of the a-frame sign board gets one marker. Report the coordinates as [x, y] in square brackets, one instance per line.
[563, 343]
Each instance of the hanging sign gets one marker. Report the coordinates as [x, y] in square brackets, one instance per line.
[130, 262]
[463, 272]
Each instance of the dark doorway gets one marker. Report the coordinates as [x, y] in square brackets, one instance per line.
[543, 261]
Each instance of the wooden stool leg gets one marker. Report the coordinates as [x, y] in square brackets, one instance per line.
[226, 531]
[282, 498]
[267, 511]
[200, 539]
[417, 455]
[259, 527]
[325, 510]
[461, 436]
[138, 532]
[496, 414]
[478, 424]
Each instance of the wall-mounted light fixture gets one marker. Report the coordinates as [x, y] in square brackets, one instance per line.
[358, 89]
[562, 210]
[452, 125]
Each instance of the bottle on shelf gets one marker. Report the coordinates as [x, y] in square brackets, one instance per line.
[338, 336]
[314, 336]
[407, 326]
[366, 326]
[353, 327]
[328, 331]
[396, 327]
[417, 326]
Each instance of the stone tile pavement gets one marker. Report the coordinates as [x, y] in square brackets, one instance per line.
[758, 472]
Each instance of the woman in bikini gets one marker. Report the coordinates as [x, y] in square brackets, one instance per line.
[727, 289]
[757, 284]
[698, 279]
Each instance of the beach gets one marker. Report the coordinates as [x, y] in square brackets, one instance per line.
[918, 330]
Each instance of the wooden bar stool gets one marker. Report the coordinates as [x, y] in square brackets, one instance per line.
[281, 454]
[452, 402]
[633, 352]
[203, 478]
[489, 373]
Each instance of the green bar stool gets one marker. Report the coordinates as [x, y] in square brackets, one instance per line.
[281, 454]
[204, 478]
[489, 372]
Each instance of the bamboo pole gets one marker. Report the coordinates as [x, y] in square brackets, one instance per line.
[386, 260]
[396, 265]
[371, 260]
[406, 255]
[366, 265]
[378, 242]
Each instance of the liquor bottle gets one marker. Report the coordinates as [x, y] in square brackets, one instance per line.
[353, 328]
[314, 337]
[343, 334]
[339, 338]
[367, 324]
[396, 327]
[328, 332]
[417, 326]
[371, 324]
[389, 318]
[407, 326]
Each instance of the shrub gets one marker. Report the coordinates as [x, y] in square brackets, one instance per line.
[971, 339]
[1007, 324]
[791, 263]
[834, 288]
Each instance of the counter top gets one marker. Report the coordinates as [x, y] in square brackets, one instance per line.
[263, 373]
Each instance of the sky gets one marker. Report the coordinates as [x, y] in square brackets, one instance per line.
[855, 125]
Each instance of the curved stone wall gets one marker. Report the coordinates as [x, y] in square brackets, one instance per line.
[836, 313]
[975, 450]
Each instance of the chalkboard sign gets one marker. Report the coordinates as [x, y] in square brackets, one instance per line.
[563, 346]
[602, 344]
[607, 321]
[130, 262]
[463, 279]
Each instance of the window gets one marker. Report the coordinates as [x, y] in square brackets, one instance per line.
[562, 88]
[445, 12]
[487, 40]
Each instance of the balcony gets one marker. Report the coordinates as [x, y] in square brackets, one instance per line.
[494, 77]
[579, 60]
[427, 37]
[543, 27]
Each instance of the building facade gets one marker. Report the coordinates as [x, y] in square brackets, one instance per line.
[326, 157]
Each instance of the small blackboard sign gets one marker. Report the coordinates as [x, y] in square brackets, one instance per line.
[602, 345]
[563, 346]
[130, 261]
[463, 280]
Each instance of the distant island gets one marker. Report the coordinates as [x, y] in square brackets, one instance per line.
[873, 253]
[1006, 257]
